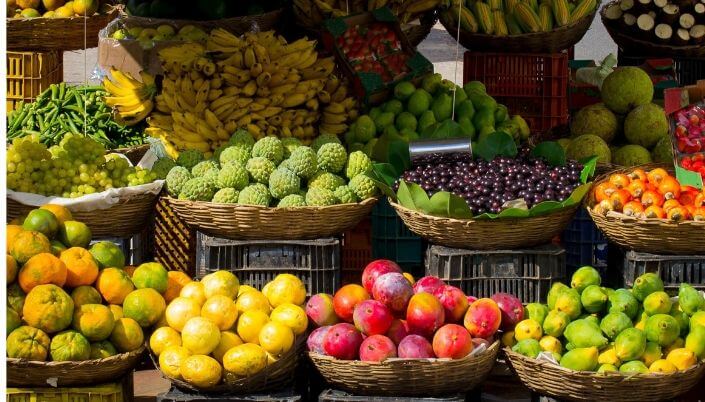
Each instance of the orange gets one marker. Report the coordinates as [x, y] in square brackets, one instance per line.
[194, 290]
[127, 335]
[175, 282]
[42, 269]
[48, 308]
[11, 232]
[145, 306]
[200, 336]
[201, 371]
[220, 310]
[162, 338]
[11, 268]
[80, 265]
[85, 7]
[61, 213]
[42, 221]
[180, 310]
[57, 247]
[94, 321]
[221, 283]
[28, 343]
[75, 234]
[117, 311]
[85, 295]
[114, 285]
[27, 244]
[15, 297]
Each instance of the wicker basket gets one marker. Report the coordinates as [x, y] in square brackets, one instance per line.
[656, 236]
[250, 222]
[632, 45]
[26, 373]
[487, 234]
[407, 377]
[554, 41]
[133, 153]
[124, 219]
[41, 33]
[237, 25]
[558, 382]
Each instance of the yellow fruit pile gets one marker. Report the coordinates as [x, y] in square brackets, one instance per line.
[218, 330]
[258, 82]
[52, 8]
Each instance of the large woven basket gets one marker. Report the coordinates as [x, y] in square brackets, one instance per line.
[124, 219]
[250, 222]
[631, 44]
[487, 234]
[558, 382]
[26, 373]
[554, 41]
[407, 377]
[57, 33]
[656, 236]
[236, 25]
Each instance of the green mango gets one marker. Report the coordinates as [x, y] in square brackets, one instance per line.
[460, 95]
[403, 90]
[408, 134]
[523, 127]
[556, 288]
[527, 347]
[467, 128]
[568, 301]
[634, 366]
[657, 303]
[475, 86]
[483, 102]
[501, 114]
[581, 359]
[690, 299]
[630, 344]
[406, 120]
[695, 341]
[646, 284]
[681, 317]
[484, 132]
[623, 301]
[536, 312]
[592, 318]
[393, 106]
[419, 102]
[593, 298]
[384, 120]
[651, 353]
[555, 323]
[584, 277]
[375, 112]
[608, 291]
[509, 127]
[370, 147]
[584, 333]
[605, 368]
[365, 128]
[483, 118]
[426, 119]
[696, 319]
[431, 83]
[569, 346]
[446, 86]
[464, 109]
[442, 107]
[614, 323]
[662, 329]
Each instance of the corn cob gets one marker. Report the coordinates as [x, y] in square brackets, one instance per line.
[509, 5]
[512, 25]
[527, 18]
[500, 24]
[468, 22]
[545, 17]
[495, 4]
[484, 18]
[534, 5]
[560, 12]
[583, 8]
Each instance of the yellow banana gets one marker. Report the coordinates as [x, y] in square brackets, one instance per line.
[324, 96]
[333, 128]
[250, 88]
[212, 120]
[249, 57]
[329, 118]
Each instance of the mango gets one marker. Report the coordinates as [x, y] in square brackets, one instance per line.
[646, 284]
[568, 301]
[690, 299]
[593, 298]
[677, 344]
[551, 344]
[431, 83]
[614, 323]
[581, 359]
[427, 119]
[609, 356]
[642, 321]
[682, 358]
[583, 334]
[695, 341]
[584, 277]
[442, 107]
[555, 323]
[556, 288]
[651, 353]
[606, 368]
[483, 118]
[536, 311]
[657, 303]
[482, 101]
[681, 317]
[697, 319]
[592, 318]
[634, 366]
[662, 329]
[622, 301]
[527, 329]
[630, 344]
[528, 347]
[662, 366]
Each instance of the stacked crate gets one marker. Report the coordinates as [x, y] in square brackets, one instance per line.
[30, 73]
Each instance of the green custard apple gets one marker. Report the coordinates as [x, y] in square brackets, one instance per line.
[363, 186]
[233, 175]
[189, 158]
[331, 157]
[242, 138]
[234, 154]
[292, 200]
[260, 168]
[345, 195]
[254, 194]
[162, 167]
[325, 180]
[358, 163]
[197, 189]
[175, 180]
[226, 196]
[270, 148]
[320, 197]
[202, 167]
[283, 182]
[303, 161]
[324, 139]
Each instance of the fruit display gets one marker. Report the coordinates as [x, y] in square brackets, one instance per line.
[218, 331]
[626, 129]
[64, 109]
[312, 13]
[689, 136]
[55, 8]
[677, 23]
[374, 48]
[76, 166]
[271, 172]
[149, 36]
[517, 17]
[390, 315]
[69, 300]
[587, 327]
[649, 195]
[202, 10]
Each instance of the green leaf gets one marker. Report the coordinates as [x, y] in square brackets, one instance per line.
[438, 204]
[589, 165]
[577, 195]
[545, 207]
[446, 129]
[497, 143]
[412, 196]
[458, 208]
[551, 151]
[399, 156]
[385, 173]
[513, 213]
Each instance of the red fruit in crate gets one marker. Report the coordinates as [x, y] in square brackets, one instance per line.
[415, 347]
[699, 157]
[398, 330]
[483, 318]
[454, 302]
[686, 162]
[315, 340]
[511, 308]
[681, 131]
[694, 119]
[372, 317]
[319, 309]
[452, 341]
[394, 291]
[377, 348]
[697, 164]
[375, 269]
[424, 315]
[428, 284]
[342, 341]
[345, 300]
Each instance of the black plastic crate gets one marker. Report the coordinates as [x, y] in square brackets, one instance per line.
[584, 243]
[177, 395]
[256, 262]
[527, 274]
[332, 395]
[392, 240]
[673, 269]
[688, 70]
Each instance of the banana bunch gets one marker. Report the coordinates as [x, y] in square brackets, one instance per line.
[311, 13]
[130, 99]
[257, 81]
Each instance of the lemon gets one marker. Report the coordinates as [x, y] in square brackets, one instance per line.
[221, 283]
[85, 7]
[252, 300]
[662, 366]
[162, 338]
[48, 14]
[195, 291]
[682, 358]
[180, 310]
[285, 288]
[245, 360]
[30, 13]
[228, 340]
[276, 338]
[245, 288]
[201, 371]
[170, 360]
[221, 310]
[527, 329]
[200, 336]
[292, 316]
[166, 30]
[63, 12]
[52, 5]
[249, 325]
[134, 32]
[147, 34]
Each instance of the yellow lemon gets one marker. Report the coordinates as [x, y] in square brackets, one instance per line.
[30, 13]
[161, 323]
[180, 310]
[682, 358]
[85, 7]
[194, 291]
[170, 360]
[551, 344]
[271, 358]
[221, 311]
[245, 288]
[276, 338]
[201, 371]
[252, 300]
[662, 366]
[228, 340]
[409, 278]
[221, 283]
[200, 336]
[292, 316]
[249, 324]
[52, 5]
[245, 360]
[285, 288]
[162, 338]
[527, 329]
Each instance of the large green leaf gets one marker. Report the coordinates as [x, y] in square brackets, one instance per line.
[551, 151]
[496, 144]
[412, 196]
[577, 195]
[545, 207]
[449, 205]
[384, 176]
[399, 156]
[589, 166]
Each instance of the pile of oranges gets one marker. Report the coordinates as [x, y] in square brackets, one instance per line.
[650, 195]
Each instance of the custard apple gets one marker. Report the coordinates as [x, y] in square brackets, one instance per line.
[254, 194]
[303, 162]
[270, 148]
[218, 151]
[292, 200]
[326, 180]
[324, 139]
[259, 169]
[358, 163]
[233, 175]
[202, 167]
[175, 180]
[363, 186]
[331, 157]
[226, 195]
[345, 195]
[242, 138]
[162, 167]
[283, 182]
[211, 177]
[290, 144]
[234, 154]
[320, 197]
[189, 158]
[197, 189]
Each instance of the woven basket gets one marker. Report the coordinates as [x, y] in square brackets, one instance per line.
[26, 373]
[250, 222]
[629, 43]
[407, 377]
[487, 234]
[236, 25]
[124, 219]
[133, 153]
[57, 33]
[558, 382]
[554, 41]
[656, 236]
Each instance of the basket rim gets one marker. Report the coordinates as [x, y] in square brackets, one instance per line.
[115, 8]
[13, 361]
[180, 20]
[207, 204]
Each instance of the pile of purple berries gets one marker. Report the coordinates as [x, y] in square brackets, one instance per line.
[487, 186]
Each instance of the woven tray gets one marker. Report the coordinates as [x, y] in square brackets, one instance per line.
[630, 44]
[407, 377]
[41, 33]
[656, 236]
[250, 222]
[133, 153]
[559, 382]
[25, 373]
[487, 234]
[124, 219]
[554, 41]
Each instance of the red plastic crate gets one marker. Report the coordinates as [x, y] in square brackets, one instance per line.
[356, 251]
[534, 86]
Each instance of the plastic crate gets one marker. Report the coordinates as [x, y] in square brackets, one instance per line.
[256, 262]
[534, 86]
[391, 239]
[30, 73]
[356, 251]
[527, 274]
[673, 269]
[113, 392]
[688, 70]
[332, 395]
[177, 395]
[584, 243]
[174, 240]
